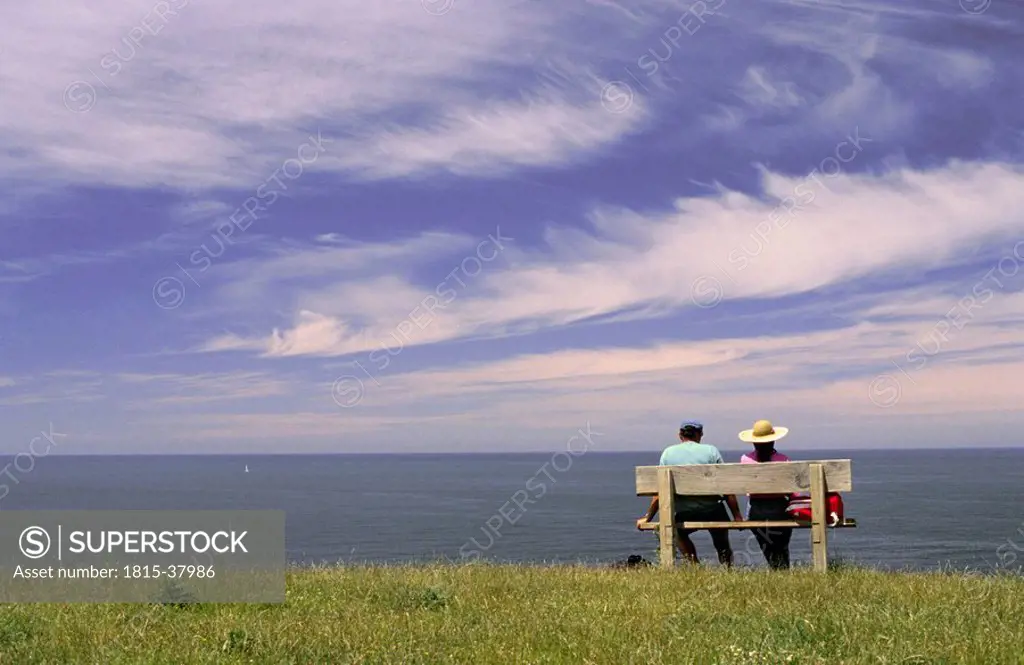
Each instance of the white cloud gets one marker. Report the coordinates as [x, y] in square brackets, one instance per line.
[296, 427]
[630, 264]
[140, 390]
[222, 93]
[205, 388]
[73, 387]
[758, 88]
[828, 99]
[491, 139]
[958, 68]
[203, 210]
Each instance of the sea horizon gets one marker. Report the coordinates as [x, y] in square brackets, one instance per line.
[516, 452]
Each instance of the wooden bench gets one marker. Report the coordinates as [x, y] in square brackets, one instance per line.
[817, 477]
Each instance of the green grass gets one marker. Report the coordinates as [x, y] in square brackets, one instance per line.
[505, 614]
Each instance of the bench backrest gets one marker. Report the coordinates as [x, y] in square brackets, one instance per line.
[768, 478]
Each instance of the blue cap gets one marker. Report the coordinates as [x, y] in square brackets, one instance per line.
[691, 424]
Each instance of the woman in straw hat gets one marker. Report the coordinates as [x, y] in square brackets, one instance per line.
[774, 542]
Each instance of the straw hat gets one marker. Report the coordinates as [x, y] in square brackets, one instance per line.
[763, 432]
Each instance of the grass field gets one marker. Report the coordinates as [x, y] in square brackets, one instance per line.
[506, 614]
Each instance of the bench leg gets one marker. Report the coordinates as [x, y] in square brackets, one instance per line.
[666, 520]
[819, 534]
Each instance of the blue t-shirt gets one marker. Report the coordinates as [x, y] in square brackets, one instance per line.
[692, 453]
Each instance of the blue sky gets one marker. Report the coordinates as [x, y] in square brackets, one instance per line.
[468, 226]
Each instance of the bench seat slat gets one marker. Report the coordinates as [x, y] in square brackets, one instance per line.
[848, 523]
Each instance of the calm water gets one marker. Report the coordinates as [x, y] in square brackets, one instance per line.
[915, 509]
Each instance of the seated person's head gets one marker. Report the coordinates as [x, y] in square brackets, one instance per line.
[691, 430]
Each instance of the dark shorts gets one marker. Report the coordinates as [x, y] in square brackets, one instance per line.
[769, 509]
[715, 513]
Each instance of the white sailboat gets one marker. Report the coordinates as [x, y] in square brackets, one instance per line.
[247, 468]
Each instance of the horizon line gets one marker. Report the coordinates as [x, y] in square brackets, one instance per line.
[492, 453]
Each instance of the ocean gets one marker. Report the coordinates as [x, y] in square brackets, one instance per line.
[916, 509]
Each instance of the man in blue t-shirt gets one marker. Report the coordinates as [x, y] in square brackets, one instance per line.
[690, 450]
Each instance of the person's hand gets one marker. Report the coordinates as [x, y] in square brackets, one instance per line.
[640, 522]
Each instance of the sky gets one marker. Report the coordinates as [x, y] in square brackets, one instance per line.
[451, 226]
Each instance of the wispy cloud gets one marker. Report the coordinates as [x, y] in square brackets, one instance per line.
[55, 389]
[843, 233]
[495, 139]
[206, 388]
[222, 110]
[759, 88]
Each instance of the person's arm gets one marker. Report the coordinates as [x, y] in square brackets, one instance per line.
[731, 500]
[653, 509]
[651, 512]
[734, 507]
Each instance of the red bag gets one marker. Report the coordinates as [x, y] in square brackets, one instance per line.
[799, 508]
